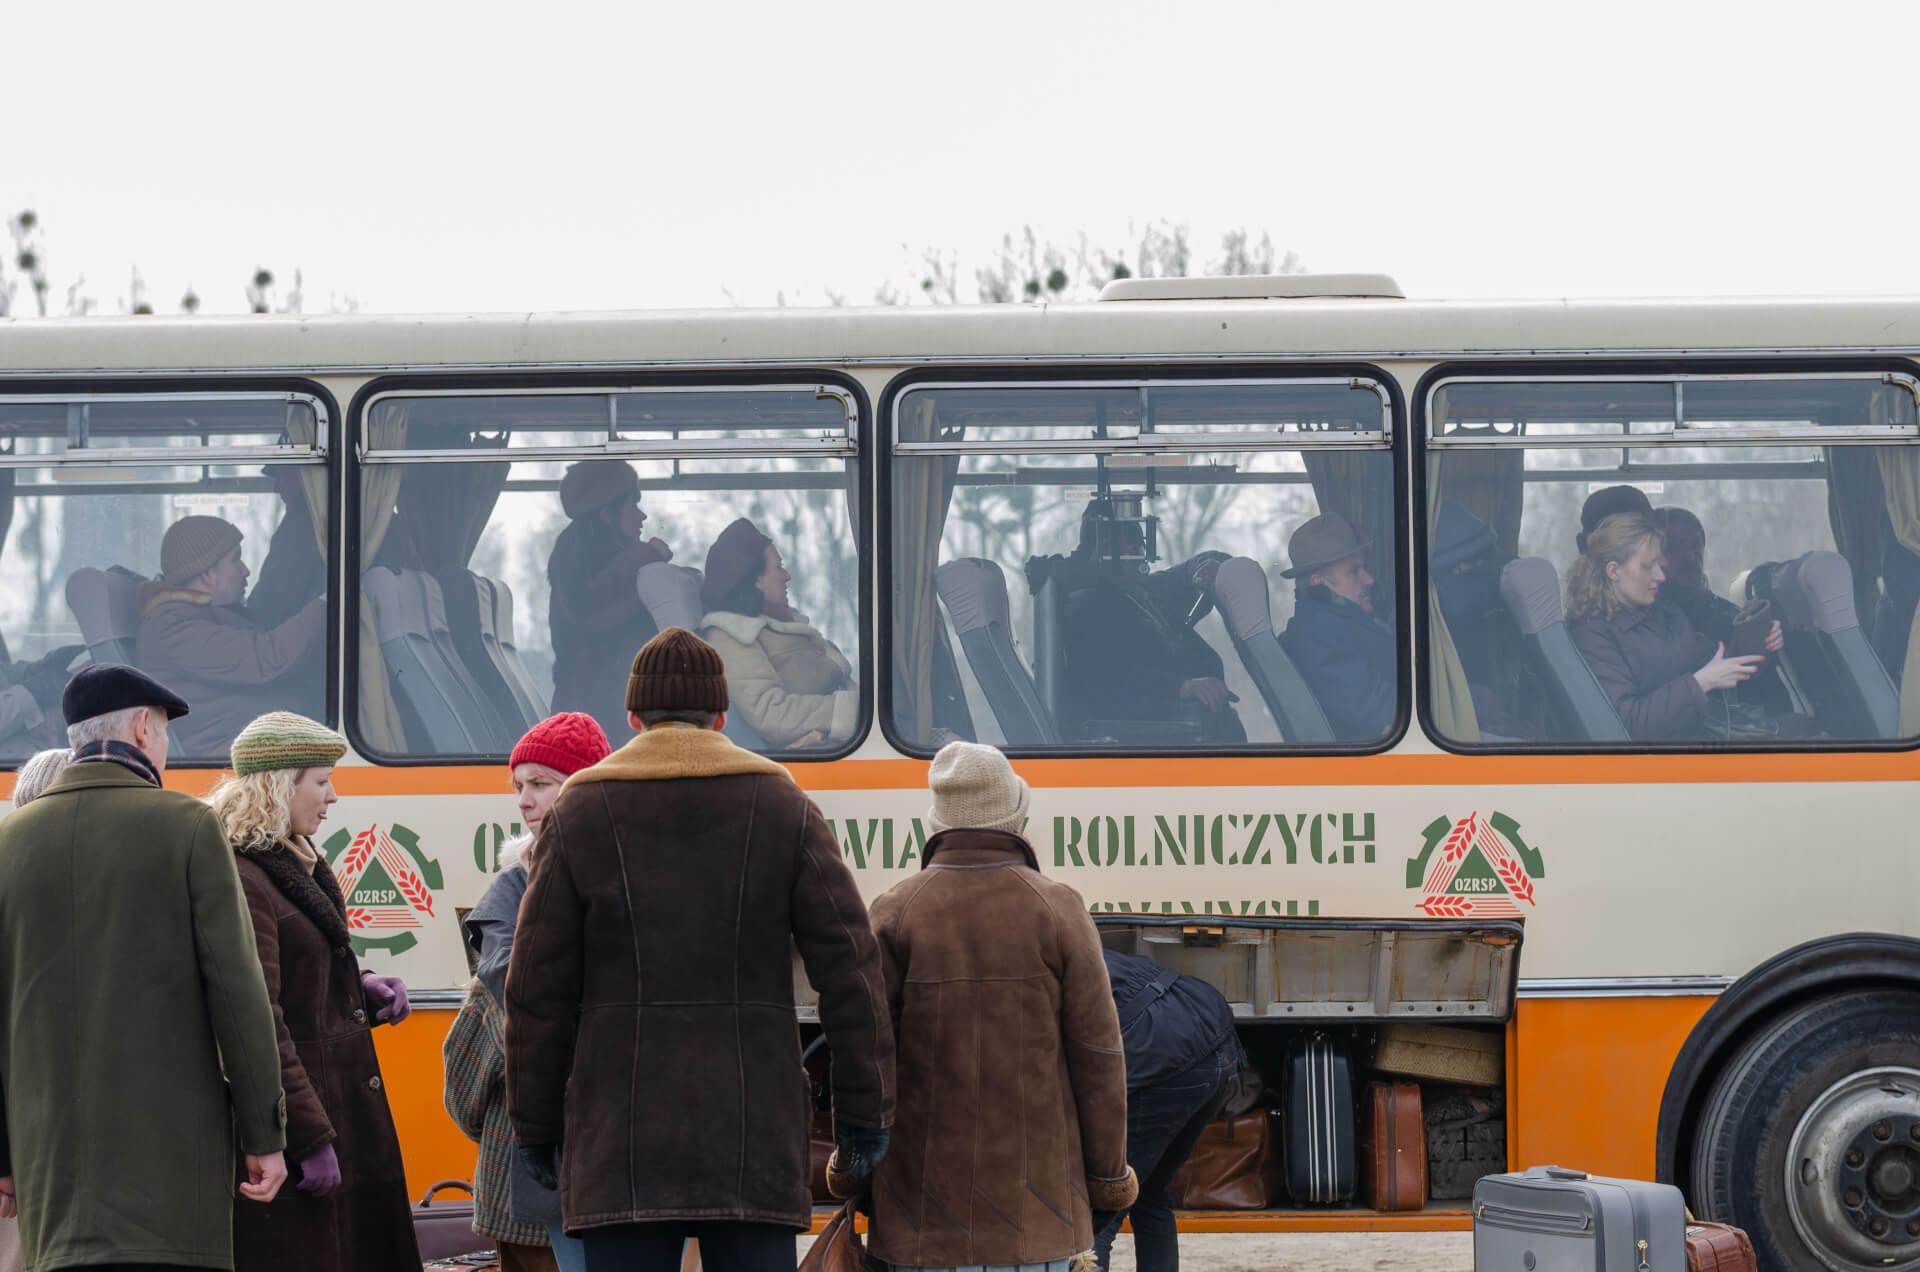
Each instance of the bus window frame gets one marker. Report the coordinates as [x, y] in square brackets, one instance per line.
[531, 382]
[1643, 370]
[1167, 374]
[327, 451]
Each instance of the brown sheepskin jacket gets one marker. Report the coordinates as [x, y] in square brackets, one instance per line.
[650, 1016]
[1013, 1083]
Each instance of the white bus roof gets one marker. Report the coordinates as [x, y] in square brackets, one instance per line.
[1211, 329]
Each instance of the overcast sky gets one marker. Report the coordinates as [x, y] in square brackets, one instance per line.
[423, 157]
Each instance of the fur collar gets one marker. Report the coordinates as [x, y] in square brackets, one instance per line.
[746, 628]
[664, 752]
[155, 594]
[315, 895]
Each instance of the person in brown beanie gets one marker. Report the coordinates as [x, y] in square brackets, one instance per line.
[197, 637]
[980, 945]
[594, 614]
[652, 1060]
[789, 682]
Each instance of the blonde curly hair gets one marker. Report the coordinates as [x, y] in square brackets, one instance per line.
[255, 811]
[1615, 540]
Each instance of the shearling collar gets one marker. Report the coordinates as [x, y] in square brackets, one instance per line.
[661, 754]
[315, 895]
[155, 594]
[967, 847]
[746, 628]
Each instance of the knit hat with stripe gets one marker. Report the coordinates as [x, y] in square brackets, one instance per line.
[283, 740]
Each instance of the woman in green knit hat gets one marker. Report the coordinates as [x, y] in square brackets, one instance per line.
[347, 1210]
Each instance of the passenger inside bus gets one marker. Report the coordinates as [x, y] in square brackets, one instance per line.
[1343, 652]
[30, 716]
[196, 638]
[295, 570]
[1130, 651]
[1466, 581]
[595, 616]
[1666, 680]
[786, 680]
[1683, 561]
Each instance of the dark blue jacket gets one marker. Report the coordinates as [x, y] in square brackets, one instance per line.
[1167, 1022]
[1346, 657]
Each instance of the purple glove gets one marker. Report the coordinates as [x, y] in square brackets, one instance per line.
[387, 996]
[319, 1171]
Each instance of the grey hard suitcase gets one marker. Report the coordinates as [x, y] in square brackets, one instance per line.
[1549, 1219]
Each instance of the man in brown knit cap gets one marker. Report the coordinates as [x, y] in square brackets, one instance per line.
[652, 1058]
[197, 637]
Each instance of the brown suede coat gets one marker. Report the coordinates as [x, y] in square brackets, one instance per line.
[1013, 1083]
[335, 1094]
[650, 1016]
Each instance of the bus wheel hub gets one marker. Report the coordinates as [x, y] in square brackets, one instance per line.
[1854, 1173]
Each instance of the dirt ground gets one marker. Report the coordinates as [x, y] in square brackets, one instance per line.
[1311, 1252]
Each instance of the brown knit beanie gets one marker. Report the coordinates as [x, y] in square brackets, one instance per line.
[677, 671]
[739, 553]
[194, 545]
[595, 483]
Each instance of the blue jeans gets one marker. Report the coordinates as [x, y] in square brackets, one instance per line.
[725, 1246]
[1164, 1122]
[569, 1252]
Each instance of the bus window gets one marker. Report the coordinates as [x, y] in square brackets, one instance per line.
[184, 534]
[1694, 561]
[1157, 565]
[517, 549]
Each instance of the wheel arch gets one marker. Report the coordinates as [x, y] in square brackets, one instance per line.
[1791, 978]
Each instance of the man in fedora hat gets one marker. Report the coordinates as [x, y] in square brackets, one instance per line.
[1344, 653]
[138, 1046]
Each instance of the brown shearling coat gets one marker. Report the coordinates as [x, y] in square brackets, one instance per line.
[231, 668]
[335, 1094]
[1013, 1080]
[650, 1015]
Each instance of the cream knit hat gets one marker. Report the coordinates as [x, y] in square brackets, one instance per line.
[974, 787]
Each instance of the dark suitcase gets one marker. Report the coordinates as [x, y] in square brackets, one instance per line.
[1466, 1139]
[444, 1229]
[1394, 1147]
[1719, 1247]
[1559, 1220]
[1320, 1128]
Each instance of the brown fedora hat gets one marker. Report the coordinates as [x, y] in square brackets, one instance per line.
[1320, 542]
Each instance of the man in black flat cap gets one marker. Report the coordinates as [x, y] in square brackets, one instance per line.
[136, 1037]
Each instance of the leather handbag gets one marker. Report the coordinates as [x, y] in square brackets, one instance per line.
[838, 1248]
[444, 1229]
[1234, 1165]
[816, 1064]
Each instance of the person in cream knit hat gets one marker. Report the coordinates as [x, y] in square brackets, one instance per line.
[977, 945]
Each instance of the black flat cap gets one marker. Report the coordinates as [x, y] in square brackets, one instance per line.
[99, 689]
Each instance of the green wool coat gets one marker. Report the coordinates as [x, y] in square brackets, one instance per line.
[128, 984]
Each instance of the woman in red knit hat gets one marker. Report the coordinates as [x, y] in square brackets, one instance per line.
[522, 1217]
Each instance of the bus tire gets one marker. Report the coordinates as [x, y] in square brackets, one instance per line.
[1810, 1137]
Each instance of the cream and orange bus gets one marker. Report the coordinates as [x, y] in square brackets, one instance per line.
[1686, 934]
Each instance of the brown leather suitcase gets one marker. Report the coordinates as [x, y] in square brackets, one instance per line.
[1393, 1147]
[1719, 1247]
[1235, 1165]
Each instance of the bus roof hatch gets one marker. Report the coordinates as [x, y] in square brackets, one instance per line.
[1256, 287]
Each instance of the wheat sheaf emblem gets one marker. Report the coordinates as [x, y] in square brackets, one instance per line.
[1499, 886]
[415, 900]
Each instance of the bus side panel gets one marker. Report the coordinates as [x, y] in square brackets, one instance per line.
[1586, 1092]
[432, 1146]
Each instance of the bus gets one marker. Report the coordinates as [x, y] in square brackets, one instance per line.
[1498, 796]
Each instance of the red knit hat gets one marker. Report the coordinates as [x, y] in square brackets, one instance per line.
[566, 743]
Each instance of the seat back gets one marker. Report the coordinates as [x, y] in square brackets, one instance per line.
[496, 630]
[671, 594]
[1531, 588]
[975, 594]
[1240, 592]
[1829, 653]
[469, 608]
[436, 695]
[106, 604]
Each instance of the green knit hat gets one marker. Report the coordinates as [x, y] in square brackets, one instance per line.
[283, 740]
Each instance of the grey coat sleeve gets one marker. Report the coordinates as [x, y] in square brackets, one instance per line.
[1668, 711]
[489, 929]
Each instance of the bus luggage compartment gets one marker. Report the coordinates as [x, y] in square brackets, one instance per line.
[1421, 1000]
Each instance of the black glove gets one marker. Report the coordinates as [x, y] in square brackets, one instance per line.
[542, 1162]
[46, 678]
[857, 1151]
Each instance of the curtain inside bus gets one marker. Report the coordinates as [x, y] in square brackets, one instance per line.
[922, 491]
[1487, 483]
[302, 430]
[1347, 483]
[1856, 509]
[380, 491]
[1900, 476]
